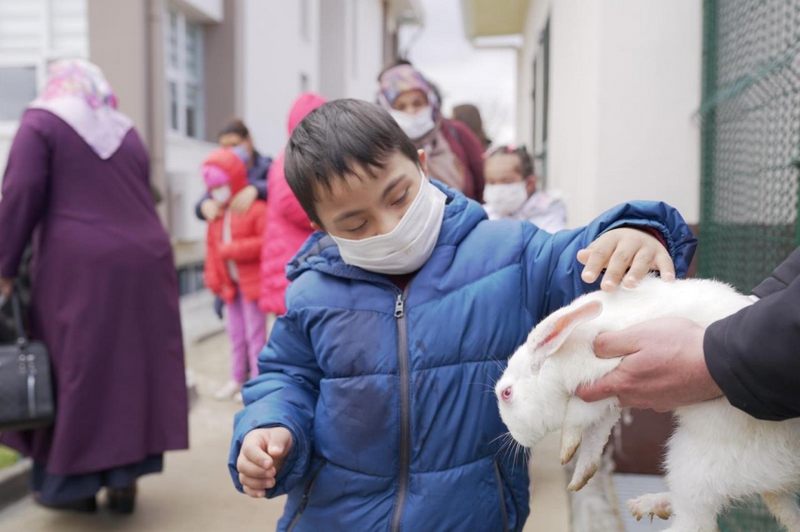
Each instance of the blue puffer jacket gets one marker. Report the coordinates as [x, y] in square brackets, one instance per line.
[388, 392]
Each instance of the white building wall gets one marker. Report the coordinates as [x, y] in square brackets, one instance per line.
[183, 158]
[625, 82]
[280, 58]
[364, 48]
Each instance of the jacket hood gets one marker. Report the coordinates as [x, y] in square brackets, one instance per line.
[302, 106]
[226, 160]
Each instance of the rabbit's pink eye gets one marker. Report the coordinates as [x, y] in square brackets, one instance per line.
[506, 394]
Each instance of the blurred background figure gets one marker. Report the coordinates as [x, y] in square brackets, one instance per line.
[104, 293]
[455, 155]
[470, 115]
[233, 250]
[511, 191]
[236, 134]
[287, 224]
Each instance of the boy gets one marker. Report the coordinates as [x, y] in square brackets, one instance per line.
[373, 409]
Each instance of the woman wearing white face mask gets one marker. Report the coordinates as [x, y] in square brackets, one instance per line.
[455, 154]
[511, 191]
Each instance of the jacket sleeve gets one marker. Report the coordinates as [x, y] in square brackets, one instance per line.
[248, 249]
[259, 178]
[198, 205]
[553, 273]
[754, 355]
[211, 276]
[24, 198]
[283, 395]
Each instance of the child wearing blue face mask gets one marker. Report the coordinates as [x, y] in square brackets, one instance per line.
[371, 410]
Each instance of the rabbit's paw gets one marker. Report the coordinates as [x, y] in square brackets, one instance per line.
[652, 505]
[570, 441]
[583, 472]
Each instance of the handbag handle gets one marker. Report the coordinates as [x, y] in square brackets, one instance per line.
[16, 309]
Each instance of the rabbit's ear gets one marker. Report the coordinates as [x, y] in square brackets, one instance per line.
[545, 339]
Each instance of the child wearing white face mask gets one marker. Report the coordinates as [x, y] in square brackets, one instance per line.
[455, 154]
[232, 266]
[371, 409]
[511, 193]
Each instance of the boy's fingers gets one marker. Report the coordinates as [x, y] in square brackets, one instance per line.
[257, 456]
[620, 261]
[598, 258]
[583, 255]
[639, 267]
[665, 265]
[256, 483]
[258, 494]
[246, 467]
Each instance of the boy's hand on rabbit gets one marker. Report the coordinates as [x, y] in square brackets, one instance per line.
[664, 366]
[625, 250]
[261, 457]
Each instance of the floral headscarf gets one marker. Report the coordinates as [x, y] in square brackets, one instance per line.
[77, 92]
[403, 78]
[76, 77]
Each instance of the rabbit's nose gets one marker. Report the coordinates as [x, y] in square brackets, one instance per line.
[505, 395]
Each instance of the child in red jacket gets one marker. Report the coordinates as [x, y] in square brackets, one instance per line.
[232, 265]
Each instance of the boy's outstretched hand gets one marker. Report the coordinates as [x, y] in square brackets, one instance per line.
[262, 455]
[625, 250]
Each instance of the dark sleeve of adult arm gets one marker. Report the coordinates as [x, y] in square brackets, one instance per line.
[754, 355]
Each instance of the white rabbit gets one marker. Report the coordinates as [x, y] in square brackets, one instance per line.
[717, 453]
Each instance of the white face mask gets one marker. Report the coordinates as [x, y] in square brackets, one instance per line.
[406, 247]
[221, 194]
[506, 199]
[415, 125]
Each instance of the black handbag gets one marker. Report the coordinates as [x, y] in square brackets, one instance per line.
[26, 390]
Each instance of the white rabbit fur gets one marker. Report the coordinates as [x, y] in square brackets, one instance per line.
[717, 453]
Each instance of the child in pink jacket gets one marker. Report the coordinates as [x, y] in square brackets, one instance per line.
[287, 224]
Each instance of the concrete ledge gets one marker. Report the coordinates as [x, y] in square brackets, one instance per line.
[14, 482]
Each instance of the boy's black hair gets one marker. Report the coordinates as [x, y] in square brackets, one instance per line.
[525, 160]
[335, 139]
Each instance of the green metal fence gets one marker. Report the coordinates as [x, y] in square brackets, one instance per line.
[750, 119]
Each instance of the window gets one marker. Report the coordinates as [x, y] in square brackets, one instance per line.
[185, 72]
[32, 34]
[17, 89]
[541, 80]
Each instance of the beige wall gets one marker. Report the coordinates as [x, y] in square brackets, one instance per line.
[131, 56]
[624, 86]
[223, 43]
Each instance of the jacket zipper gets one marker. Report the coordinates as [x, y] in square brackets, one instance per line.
[502, 493]
[405, 429]
[304, 501]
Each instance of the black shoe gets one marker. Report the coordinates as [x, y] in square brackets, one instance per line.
[86, 506]
[122, 500]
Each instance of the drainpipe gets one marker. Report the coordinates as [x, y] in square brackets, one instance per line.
[154, 106]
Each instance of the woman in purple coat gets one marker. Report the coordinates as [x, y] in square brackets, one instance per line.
[104, 293]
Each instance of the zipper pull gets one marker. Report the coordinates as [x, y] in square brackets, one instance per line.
[399, 307]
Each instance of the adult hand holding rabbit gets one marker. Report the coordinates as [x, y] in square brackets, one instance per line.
[664, 367]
